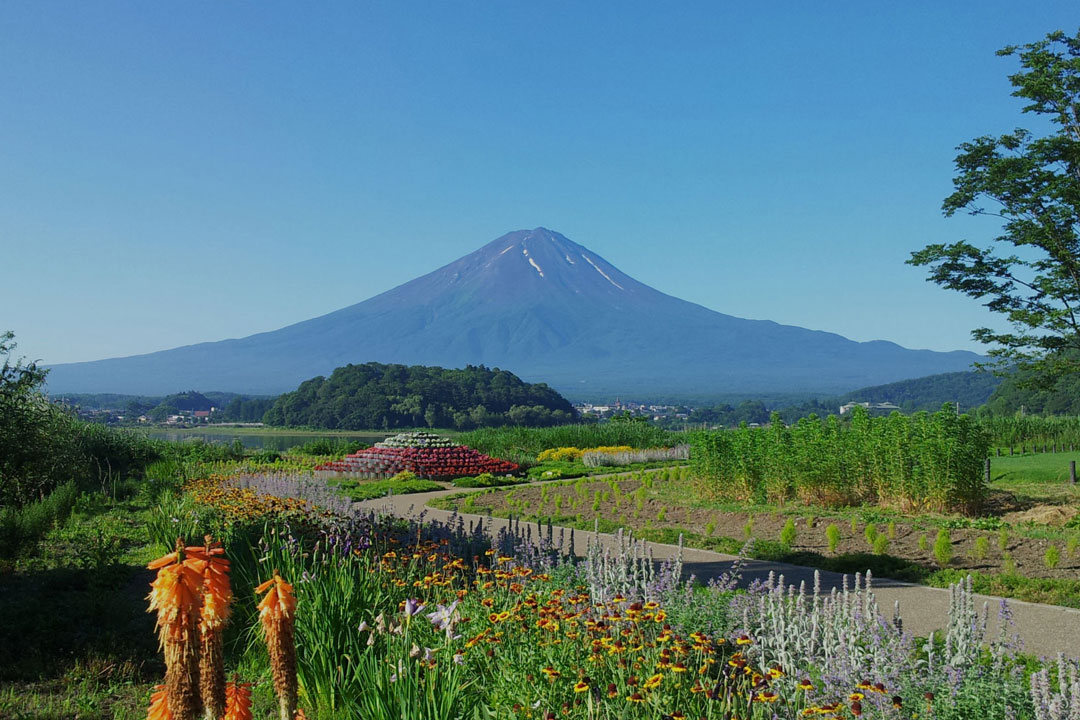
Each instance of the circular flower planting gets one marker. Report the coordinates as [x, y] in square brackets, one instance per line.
[424, 454]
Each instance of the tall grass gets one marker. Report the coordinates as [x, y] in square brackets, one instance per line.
[22, 527]
[1016, 431]
[922, 461]
[522, 444]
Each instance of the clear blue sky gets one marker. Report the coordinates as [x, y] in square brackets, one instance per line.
[173, 173]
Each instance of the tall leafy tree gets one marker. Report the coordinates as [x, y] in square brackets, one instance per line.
[1032, 183]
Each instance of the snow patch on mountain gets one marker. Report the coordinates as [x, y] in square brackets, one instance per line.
[606, 277]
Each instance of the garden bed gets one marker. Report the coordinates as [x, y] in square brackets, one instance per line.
[1014, 558]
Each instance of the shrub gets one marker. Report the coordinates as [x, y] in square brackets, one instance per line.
[1051, 557]
[981, 549]
[484, 480]
[871, 533]
[710, 528]
[892, 530]
[924, 543]
[881, 544]
[832, 534]
[1072, 544]
[787, 535]
[748, 528]
[1003, 539]
[22, 527]
[943, 548]
[661, 515]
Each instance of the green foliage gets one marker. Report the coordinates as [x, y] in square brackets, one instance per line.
[661, 515]
[891, 529]
[832, 534]
[923, 460]
[403, 483]
[1072, 544]
[880, 545]
[376, 396]
[522, 444]
[42, 446]
[1033, 185]
[748, 528]
[710, 528]
[943, 550]
[968, 389]
[981, 549]
[22, 527]
[788, 533]
[1003, 539]
[1052, 557]
[870, 532]
[484, 480]
[328, 446]
[924, 543]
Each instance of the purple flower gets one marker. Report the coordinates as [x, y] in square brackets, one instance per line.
[413, 606]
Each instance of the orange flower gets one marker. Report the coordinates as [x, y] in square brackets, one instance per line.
[237, 701]
[278, 604]
[159, 705]
[276, 612]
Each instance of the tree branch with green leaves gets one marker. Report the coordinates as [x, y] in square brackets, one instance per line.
[1033, 185]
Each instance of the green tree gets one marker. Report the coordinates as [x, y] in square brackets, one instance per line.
[1032, 184]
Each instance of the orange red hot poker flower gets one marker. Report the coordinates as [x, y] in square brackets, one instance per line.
[276, 613]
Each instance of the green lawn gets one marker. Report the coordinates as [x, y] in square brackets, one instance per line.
[1041, 478]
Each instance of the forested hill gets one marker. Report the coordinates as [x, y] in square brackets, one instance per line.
[373, 395]
[968, 389]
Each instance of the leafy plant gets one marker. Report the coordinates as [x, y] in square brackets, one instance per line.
[870, 532]
[748, 528]
[881, 544]
[943, 550]
[832, 534]
[924, 543]
[981, 549]
[1003, 539]
[787, 535]
[1052, 557]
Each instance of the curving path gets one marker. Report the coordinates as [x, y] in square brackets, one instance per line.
[1045, 630]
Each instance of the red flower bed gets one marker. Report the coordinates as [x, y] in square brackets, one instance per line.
[427, 462]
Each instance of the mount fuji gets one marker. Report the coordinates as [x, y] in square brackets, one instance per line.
[544, 307]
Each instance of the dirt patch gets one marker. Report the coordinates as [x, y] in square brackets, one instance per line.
[637, 507]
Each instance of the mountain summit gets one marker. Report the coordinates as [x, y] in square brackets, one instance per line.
[544, 307]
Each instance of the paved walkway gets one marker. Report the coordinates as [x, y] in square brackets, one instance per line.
[1044, 629]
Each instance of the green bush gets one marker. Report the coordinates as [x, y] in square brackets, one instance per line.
[981, 549]
[943, 550]
[403, 483]
[832, 534]
[22, 527]
[787, 535]
[1052, 557]
[881, 544]
[484, 480]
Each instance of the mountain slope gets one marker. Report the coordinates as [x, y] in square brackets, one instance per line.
[544, 307]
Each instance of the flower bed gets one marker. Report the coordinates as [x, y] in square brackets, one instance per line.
[425, 455]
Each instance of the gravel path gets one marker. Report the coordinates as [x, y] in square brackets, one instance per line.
[1045, 630]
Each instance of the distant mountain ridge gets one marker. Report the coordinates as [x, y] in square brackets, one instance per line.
[544, 307]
